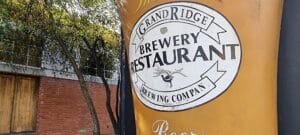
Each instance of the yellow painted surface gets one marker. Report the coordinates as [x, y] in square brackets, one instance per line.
[248, 107]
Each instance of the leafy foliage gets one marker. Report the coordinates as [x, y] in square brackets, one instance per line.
[91, 26]
[66, 32]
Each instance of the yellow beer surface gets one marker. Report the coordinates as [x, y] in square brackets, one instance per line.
[247, 106]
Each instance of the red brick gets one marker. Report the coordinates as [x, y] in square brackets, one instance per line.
[62, 110]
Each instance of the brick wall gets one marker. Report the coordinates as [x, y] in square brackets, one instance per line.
[62, 110]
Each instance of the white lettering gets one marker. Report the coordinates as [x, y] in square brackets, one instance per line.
[161, 127]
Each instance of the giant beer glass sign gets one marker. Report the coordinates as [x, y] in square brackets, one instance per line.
[189, 62]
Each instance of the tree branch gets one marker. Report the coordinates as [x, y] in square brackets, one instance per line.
[86, 42]
[108, 105]
[83, 85]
